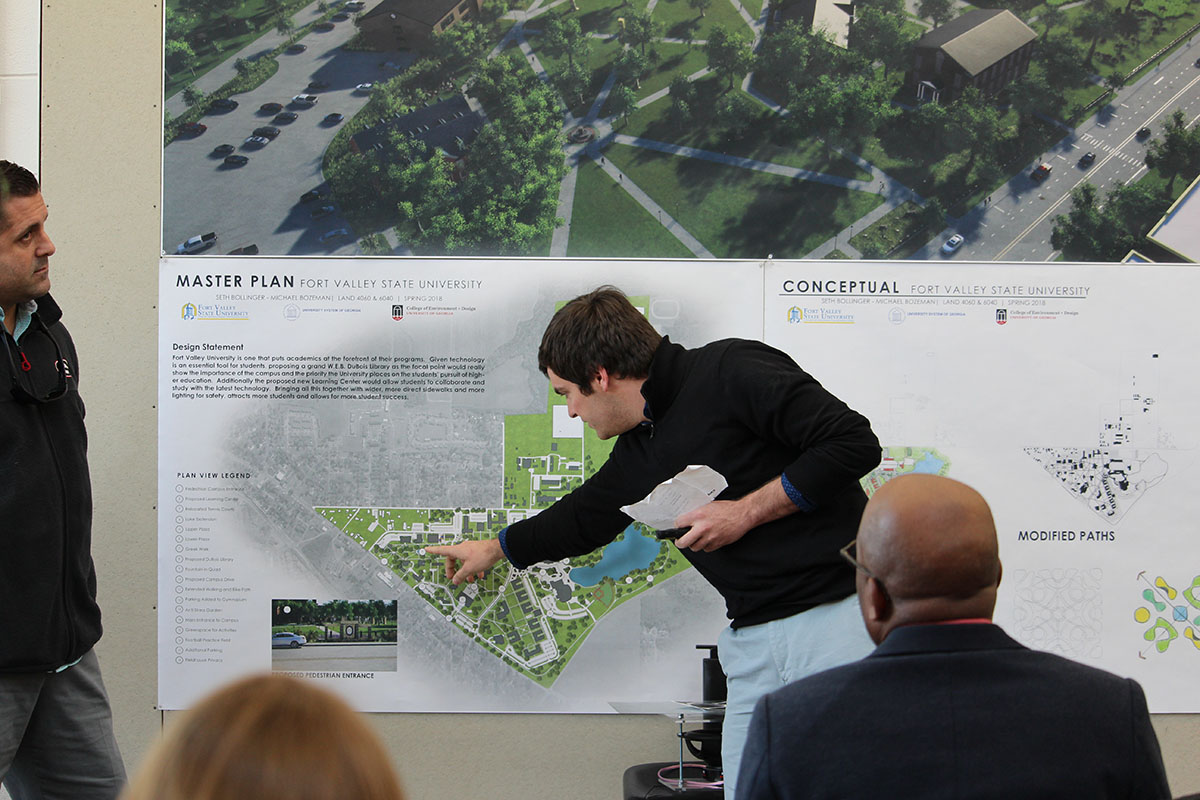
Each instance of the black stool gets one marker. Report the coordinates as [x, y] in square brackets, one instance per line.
[641, 783]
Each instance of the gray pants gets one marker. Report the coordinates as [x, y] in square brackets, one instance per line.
[56, 735]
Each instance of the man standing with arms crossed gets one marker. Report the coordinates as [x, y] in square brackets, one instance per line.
[56, 734]
[791, 452]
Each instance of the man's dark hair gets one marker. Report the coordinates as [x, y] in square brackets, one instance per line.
[15, 181]
[598, 329]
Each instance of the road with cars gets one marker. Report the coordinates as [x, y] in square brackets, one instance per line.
[258, 202]
[1015, 222]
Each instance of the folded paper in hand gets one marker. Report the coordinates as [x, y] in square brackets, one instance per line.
[693, 487]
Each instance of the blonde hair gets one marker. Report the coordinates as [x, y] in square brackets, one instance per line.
[266, 737]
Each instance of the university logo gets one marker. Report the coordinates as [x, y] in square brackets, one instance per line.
[1001, 316]
[189, 311]
[397, 311]
[795, 314]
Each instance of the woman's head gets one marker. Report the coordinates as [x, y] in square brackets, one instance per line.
[268, 737]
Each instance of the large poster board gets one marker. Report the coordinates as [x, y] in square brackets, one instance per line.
[1065, 396]
[323, 420]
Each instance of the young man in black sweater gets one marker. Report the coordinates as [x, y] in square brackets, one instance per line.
[791, 452]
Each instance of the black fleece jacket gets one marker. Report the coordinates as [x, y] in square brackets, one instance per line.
[48, 611]
[749, 412]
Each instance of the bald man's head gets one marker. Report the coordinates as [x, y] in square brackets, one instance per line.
[930, 543]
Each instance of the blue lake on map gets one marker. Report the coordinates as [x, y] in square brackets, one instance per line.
[929, 465]
[635, 551]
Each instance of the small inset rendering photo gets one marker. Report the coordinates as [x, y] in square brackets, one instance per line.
[333, 635]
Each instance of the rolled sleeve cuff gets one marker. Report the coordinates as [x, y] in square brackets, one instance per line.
[503, 537]
[789, 489]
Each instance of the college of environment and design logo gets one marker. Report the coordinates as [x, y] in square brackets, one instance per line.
[1001, 316]
[397, 311]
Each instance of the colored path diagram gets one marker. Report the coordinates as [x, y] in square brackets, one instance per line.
[1169, 613]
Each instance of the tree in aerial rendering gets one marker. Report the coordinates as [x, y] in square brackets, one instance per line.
[631, 65]
[506, 199]
[881, 36]
[641, 29]
[727, 56]
[1095, 231]
[735, 113]
[622, 101]
[564, 36]
[700, 5]
[178, 55]
[1093, 24]
[1177, 152]
[683, 100]
[192, 96]
[974, 124]
[793, 57]
[939, 11]
[284, 25]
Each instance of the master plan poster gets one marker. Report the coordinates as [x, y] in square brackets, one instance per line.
[1068, 397]
[323, 421]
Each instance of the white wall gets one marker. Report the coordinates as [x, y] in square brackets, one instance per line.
[20, 61]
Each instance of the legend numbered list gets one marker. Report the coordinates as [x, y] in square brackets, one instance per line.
[208, 596]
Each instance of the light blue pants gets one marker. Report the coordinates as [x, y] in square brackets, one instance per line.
[761, 658]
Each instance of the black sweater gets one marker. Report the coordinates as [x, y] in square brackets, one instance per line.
[750, 413]
[48, 611]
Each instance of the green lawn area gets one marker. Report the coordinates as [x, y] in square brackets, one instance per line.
[607, 222]
[739, 213]
[677, 59]
[677, 16]
[903, 225]
[764, 141]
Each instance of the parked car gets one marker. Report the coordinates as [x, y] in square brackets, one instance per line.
[305, 100]
[244, 250]
[223, 149]
[340, 16]
[313, 194]
[323, 26]
[223, 104]
[287, 639]
[1143, 133]
[236, 160]
[333, 235]
[364, 88]
[333, 119]
[192, 128]
[285, 117]
[195, 244]
[296, 48]
[267, 132]
[953, 243]
[256, 141]
[1041, 172]
[322, 211]
[315, 85]
[271, 108]
[1087, 159]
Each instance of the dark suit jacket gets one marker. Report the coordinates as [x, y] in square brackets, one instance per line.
[954, 711]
